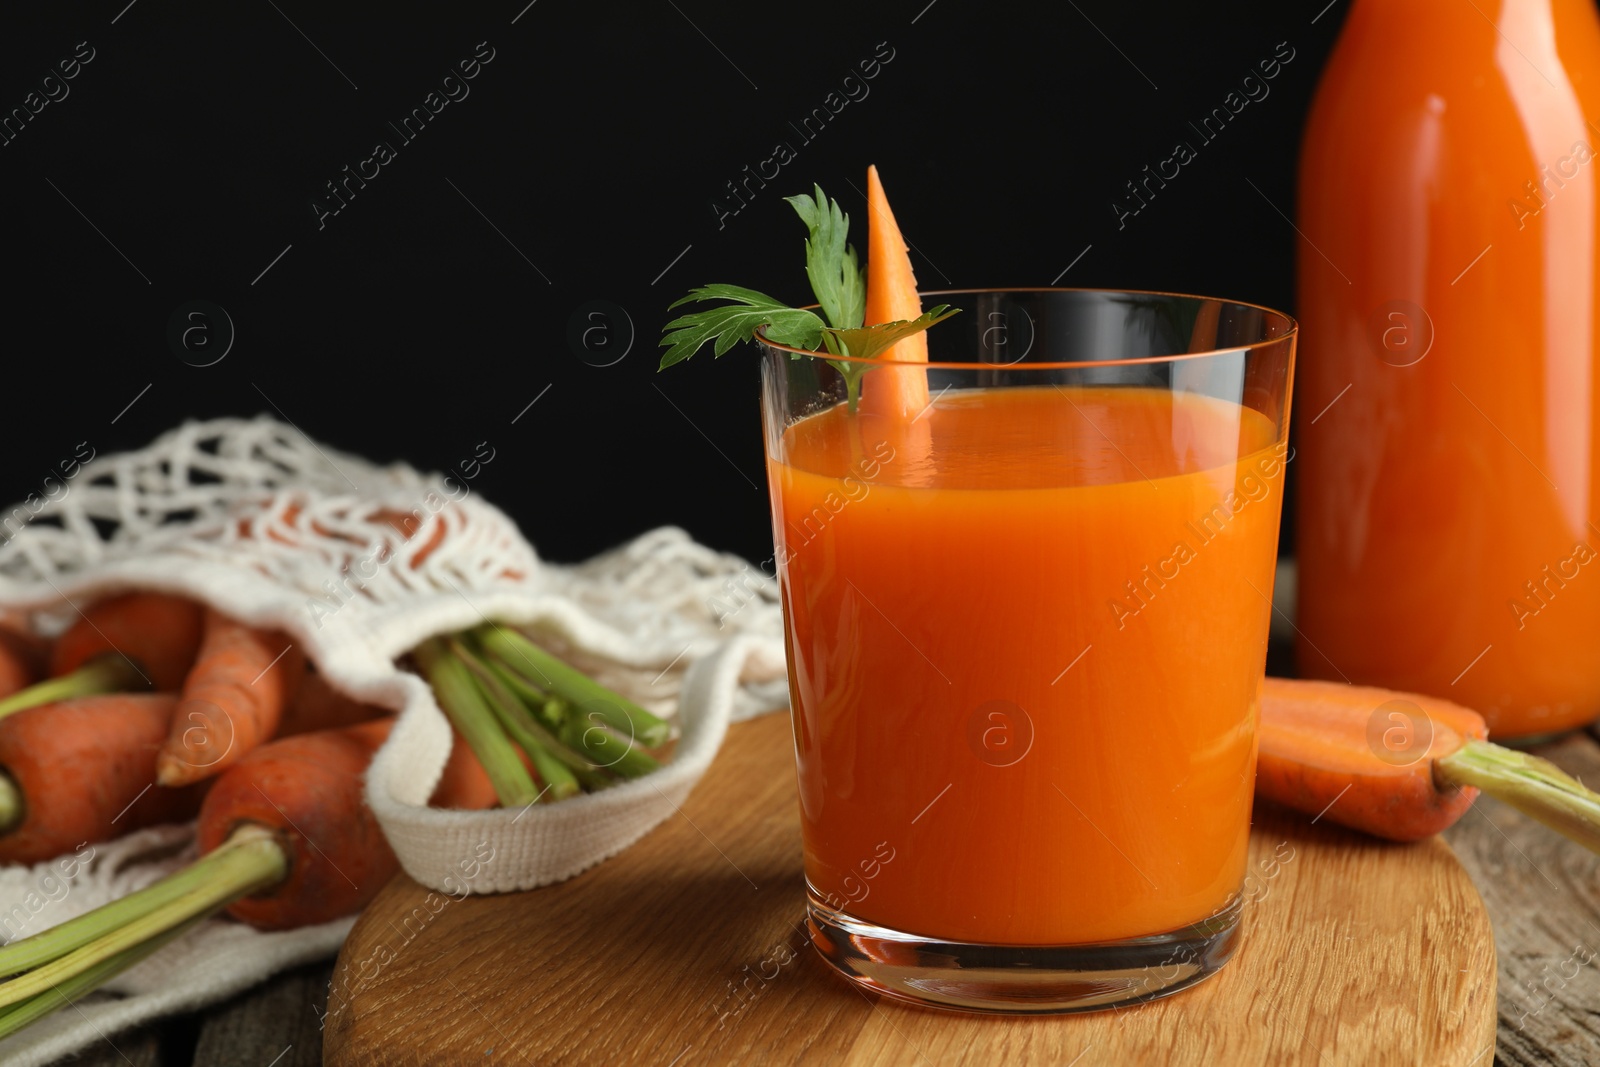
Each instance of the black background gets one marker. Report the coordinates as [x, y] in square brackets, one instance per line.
[425, 316]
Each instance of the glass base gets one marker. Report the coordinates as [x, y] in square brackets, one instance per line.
[1020, 979]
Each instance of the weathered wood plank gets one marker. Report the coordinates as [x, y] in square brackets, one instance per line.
[277, 1024]
[1543, 895]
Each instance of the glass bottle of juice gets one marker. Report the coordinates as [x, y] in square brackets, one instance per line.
[1448, 444]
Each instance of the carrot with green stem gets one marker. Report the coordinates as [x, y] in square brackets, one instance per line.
[542, 671]
[1401, 765]
[540, 718]
[286, 841]
[233, 699]
[588, 733]
[463, 703]
[559, 775]
[515, 724]
[81, 771]
[131, 642]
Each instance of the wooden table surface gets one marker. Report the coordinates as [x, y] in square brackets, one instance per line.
[1542, 892]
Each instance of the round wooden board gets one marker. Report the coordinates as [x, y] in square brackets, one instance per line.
[686, 950]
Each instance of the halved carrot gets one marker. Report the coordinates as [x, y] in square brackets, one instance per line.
[897, 392]
[1317, 750]
[1402, 765]
[81, 771]
[232, 699]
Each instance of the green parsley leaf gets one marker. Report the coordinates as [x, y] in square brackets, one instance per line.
[837, 278]
[738, 321]
[868, 342]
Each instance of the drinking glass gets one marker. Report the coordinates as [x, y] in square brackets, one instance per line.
[1026, 627]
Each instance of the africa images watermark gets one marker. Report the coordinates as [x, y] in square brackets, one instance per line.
[358, 572]
[853, 87]
[752, 980]
[354, 975]
[53, 886]
[1251, 88]
[453, 88]
[1552, 579]
[1254, 486]
[52, 88]
[55, 488]
[743, 588]
[1549, 184]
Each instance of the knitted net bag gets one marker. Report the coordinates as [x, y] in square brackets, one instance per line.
[360, 563]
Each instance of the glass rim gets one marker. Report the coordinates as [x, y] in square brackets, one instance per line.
[1291, 330]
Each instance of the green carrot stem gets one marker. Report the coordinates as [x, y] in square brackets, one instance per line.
[558, 779]
[12, 807]
[42, 1004]
[257, 861]
[551, 711]
[575, 687]
[588, 734]
[540, 733]
[525, 690]
[458, 695]
[51, 944]
[1536, 787]
[108, 674]
[555, 713]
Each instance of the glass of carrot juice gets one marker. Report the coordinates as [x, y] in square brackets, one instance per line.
[1026, 590]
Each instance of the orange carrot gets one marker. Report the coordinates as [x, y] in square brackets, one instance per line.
[24, 655]
[897, 392]
[286, 840]
[232, 700]
[158, 632]
[464, 784]
[1400, 765]
[316, 705]
[81, 771]
[308, 790]
[16, 673]
[1366, 752]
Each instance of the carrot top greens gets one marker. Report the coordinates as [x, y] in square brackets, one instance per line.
[839, 283]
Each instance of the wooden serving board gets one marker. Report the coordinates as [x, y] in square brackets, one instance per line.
[686, 950]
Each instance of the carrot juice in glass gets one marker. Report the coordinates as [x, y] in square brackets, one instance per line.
[1026, 631]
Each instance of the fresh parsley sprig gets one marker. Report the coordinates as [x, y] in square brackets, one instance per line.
[838, 281]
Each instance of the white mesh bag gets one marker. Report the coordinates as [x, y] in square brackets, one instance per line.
[265, 525]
